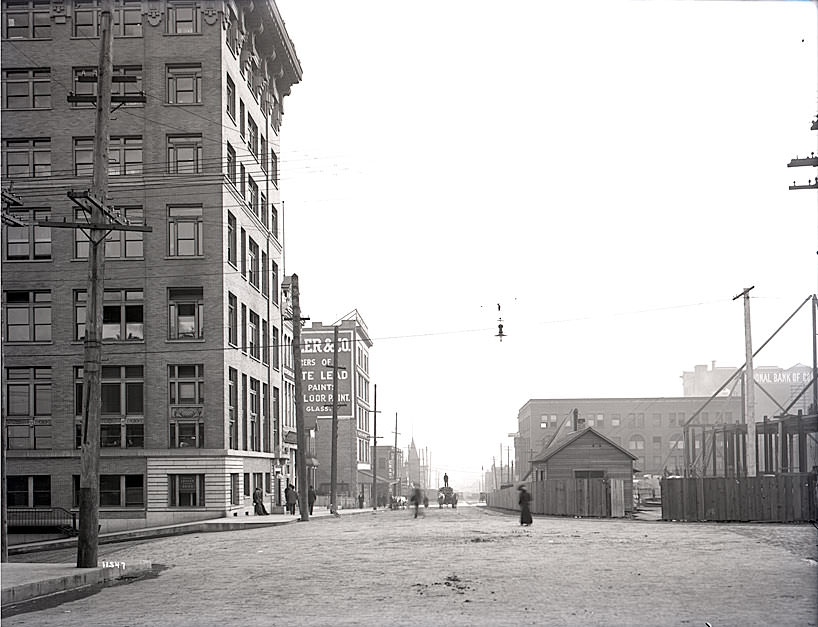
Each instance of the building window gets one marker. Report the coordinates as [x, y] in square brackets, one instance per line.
[231, 98]
[125, 156]
[636, 443]
[252, 136]
[122, 394]
[247, 484]
[265, 212]
[121, 490]
[184, 84]
[25, 158]
[241, 117]
[276, 358]
[27, 89]
[265, 279]
[657, 420]
[253, 200]
[274, 285]
[186, 312]
[185, 225]
[122, 315]
[29, 242]
[243, 181]
[243, 253]
[28, 407]
[232, 319]
[255, 434]
[243, 328]
[28, 316]
[184, 154]
[232, 406]
[244, 426]
[183, 18]
[27, 19]
[274, 168]
[28, 491]
[252, 262]
[118, 244]
[274, 220]
[186, 490]
[616, 420]
[254, 335]
[640, 420]
[265, 343]
[265, 159]
[121, 434]
[186, 384]
[657, 442]
[231, 239]
[85, 84]
[187, 434]
[231, 164]
[265, 421]
[235, 496]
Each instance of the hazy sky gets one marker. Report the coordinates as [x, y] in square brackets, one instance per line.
[612, 173]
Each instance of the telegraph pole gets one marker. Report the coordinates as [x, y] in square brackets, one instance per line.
[749, 388]
[395, 465]
[375, 450]
[9, 200]
[88, 539]
[333, 471]
[300, 432]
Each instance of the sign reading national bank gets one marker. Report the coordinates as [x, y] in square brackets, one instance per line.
[317, 372]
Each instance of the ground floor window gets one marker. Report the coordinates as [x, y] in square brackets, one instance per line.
[235, 497]
[115, 491]
[186, 490]
[28, 491]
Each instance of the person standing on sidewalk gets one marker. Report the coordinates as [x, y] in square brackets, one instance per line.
[525, 509]
[258, 502]
[361, 500]
[311, 496]
[290, 497]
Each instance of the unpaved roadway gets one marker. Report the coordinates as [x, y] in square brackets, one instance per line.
[469, 566]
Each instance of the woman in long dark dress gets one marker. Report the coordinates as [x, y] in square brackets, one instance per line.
[525, 510]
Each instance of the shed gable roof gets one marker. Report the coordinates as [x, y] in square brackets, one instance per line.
[566, 441]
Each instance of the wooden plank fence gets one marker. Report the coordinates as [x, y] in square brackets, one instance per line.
[767, 498]
[595, 498]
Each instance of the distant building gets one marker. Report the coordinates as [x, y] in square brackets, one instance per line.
[354, 402]
[390, 470]
[648, 428]
[782, 384]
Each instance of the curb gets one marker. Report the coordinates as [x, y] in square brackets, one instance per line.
[54, 579]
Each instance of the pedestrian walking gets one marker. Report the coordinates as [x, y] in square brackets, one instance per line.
[525, 509]
[290, 497]
[416, 499]
[311, 496]
[361, 500]
[258, 502]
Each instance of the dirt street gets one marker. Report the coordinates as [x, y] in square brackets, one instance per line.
[468, 566]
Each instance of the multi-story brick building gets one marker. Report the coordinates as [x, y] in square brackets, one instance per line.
[192, 325]
[650, 428]
[355, 403]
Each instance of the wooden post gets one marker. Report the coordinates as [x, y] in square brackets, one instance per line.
[88, 538]
[749, 397]
[300, 431]
[375, 451]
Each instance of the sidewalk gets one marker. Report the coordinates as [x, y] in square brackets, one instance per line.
[26, 582]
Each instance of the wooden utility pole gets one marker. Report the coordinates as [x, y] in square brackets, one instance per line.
[333, 467]
[88, 539]
[375, 449]
[749, 388]
[395, 465]
[9, 200]
[300, 432]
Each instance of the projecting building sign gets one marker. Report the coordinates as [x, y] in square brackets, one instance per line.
[317, 372]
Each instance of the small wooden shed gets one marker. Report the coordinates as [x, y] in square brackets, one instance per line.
[586, 454]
